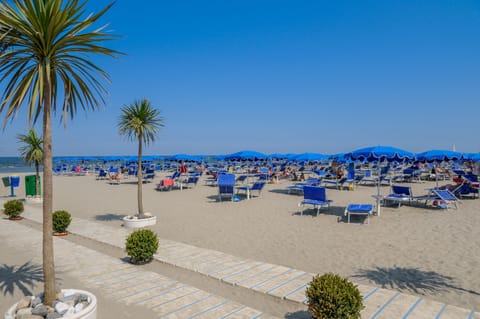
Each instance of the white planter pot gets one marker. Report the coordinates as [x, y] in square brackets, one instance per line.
[87, 313]
[135, 222]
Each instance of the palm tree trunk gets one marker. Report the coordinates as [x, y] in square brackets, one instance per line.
[37, 178]
[140, 178]
[48, 259]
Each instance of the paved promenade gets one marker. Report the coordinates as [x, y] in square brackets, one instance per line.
[125, 283]
[278, 281]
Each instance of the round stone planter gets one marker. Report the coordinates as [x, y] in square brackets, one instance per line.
[135, 222]
[90, 312]
[15, 218]
[65, 233]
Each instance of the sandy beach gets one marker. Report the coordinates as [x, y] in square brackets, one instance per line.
[417, 250]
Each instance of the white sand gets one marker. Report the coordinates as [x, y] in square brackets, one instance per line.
[421, 251]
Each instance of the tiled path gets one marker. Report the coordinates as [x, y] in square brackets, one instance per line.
[278, 281]
[124, 282]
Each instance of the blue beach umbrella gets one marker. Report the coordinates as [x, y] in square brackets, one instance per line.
[279, 156]
[310, 157]
[438, 156]
[471, 157]
[381, 153]
[246, 155]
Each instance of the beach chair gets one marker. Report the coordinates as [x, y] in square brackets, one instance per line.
[226, 185]
[403, 194]
[315, 196]
[191, 181]
[359, 210]
[447, 197]
[465, 189]
[148, 176]
[337, 183]
[257, 186]
[298, 187]
[399, 195]
[165, 184]
[102, 174]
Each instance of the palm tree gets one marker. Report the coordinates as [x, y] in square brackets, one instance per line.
[32, 152]
[46, 58]
[140, 121]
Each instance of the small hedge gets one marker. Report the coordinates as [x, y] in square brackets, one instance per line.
[61, 221]
[13, 208]
[331, 296]
[141, 245]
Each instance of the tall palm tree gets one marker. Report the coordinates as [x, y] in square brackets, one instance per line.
[32, 152]
[47, 58]
[140, 121]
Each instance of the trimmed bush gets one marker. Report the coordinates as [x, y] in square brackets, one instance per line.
[141, 245]
[331, 296]
[13, 208]
[61, 220]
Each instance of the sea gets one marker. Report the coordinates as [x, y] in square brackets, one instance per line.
[15, 165]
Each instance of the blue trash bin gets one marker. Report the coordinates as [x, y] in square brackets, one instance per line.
[14, 182]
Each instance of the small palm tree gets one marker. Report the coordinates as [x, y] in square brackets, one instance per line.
[32, 152]
[140, 121]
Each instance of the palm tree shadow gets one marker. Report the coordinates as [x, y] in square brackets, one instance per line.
[24, 277]
[109, 217]
[411, 279]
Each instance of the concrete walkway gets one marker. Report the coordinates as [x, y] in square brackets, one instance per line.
[278, 281]
[126, 283]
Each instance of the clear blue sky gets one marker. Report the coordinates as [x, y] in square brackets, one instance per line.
[286, 76]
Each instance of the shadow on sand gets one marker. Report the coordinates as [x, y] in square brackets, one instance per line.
[109, 217]
[302, 314]
[23, 277]
[411, 279]
[312, 212]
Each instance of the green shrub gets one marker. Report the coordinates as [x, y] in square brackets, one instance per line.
[141, 245]
[61, 220]
[13, 208]
[331, 296]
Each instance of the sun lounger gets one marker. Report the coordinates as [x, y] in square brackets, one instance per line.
[191, 181]
[360, 210]
[447, 197]
[257, 186]
[315, 196]
[403, 195]
[165, 184]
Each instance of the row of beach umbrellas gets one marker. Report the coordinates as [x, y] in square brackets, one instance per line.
[373, 153]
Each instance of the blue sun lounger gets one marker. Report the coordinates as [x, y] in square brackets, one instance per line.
[447, 196]
[359, 209]
[315, 196]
